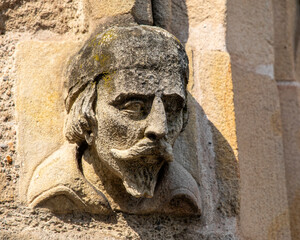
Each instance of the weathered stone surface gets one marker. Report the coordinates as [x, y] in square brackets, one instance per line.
[212, 236]
[249, 41]
[191, 21]
[249, 22]
[289, 93]
[211, 86]
[8, 170]
[57, 16]
[39, 102]
[172, 16]
[285, 38]
[199, 162]
[105, 8]
[6, 190]
[125, 110]
[43, 225]
[140, 9]
[262, 165]
[247, 33]
[298, 61]
[212, 69]
[142, 12]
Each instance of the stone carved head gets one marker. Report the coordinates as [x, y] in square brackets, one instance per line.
[126, 103]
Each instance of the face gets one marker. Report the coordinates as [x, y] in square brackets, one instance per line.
[139, 115]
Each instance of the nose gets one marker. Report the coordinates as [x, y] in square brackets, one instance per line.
[157, 127]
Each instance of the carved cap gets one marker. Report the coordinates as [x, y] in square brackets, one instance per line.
[119, 48]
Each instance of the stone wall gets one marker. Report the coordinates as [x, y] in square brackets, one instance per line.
[244, 85]
[250, 42]
[286, 21]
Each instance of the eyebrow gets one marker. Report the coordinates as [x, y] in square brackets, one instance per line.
[126, 96]
[175, 95]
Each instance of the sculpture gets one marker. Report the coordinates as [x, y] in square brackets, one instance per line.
[126, 106]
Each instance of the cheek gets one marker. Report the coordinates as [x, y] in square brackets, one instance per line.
[117, 131]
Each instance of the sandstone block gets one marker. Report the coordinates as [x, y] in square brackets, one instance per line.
[249, 40]
[39, 101]
[290, 115]
[141, 10]
[264, 206]
[57, 16]
[285, 31]
[213, 89]
[249, 34]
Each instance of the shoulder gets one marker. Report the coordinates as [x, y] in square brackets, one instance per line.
[57, 184]
[180, 191]
[51, 179]
[177, 193]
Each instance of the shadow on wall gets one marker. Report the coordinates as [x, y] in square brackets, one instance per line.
[217, 166]
[206, 154]
[172, 16]
[3, 16]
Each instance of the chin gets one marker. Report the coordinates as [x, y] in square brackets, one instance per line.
[140, 180]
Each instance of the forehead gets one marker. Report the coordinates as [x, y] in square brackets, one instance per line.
[146, 82]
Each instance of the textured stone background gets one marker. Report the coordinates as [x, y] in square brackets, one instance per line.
[22, 20]
[74, 20]
[245, 75]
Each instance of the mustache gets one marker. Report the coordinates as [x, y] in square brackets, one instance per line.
[144, 148]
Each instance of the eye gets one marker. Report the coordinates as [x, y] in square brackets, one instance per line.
[173, 106]
[133, 107]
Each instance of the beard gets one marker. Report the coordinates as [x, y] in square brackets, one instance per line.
[140, 180]
[141, 164]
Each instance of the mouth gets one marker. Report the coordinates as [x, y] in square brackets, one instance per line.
[140, 165]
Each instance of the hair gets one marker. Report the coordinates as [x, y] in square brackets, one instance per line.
[81, 118]
[82, 81]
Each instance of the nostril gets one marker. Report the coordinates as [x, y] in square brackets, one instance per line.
[151, 136]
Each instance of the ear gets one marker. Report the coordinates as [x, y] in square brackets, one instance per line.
[89, 137]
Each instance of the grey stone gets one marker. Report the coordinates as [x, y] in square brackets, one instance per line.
[126, 102]
[3, 146]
